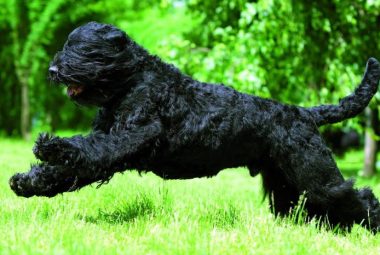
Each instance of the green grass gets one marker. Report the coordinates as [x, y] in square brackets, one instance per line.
[146, 215]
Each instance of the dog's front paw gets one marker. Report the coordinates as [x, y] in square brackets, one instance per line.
[55, 150]
[39, 146]
[44, 180]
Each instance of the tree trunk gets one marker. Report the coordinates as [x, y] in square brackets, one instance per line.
[25, 107]
[370, 144]
[20, 30]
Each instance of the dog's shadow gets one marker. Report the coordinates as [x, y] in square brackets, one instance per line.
[128, 212]
[224, 215]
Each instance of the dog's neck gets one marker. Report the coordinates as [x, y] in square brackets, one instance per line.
[114, 103]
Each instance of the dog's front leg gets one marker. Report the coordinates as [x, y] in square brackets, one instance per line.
[98, 150]
[58, 151]
[46, 180]
[71, 163]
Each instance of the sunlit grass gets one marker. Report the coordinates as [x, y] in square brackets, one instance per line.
[146, 215]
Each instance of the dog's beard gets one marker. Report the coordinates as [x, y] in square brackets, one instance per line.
[90, 96]
[84, 91]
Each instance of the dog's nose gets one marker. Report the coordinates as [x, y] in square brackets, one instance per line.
[53, 70]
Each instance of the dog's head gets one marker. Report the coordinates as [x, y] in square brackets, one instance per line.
[96, 63]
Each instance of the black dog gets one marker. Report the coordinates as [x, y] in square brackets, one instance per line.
[154, 118]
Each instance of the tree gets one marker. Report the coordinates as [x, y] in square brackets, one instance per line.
[370, 142]
[290, 44]
[27, 36]
[302, 52]
[31, 33]
[31, 26]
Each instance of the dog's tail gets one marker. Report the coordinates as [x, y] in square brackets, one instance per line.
[353, 104]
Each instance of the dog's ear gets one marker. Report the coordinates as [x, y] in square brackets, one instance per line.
[116, 38]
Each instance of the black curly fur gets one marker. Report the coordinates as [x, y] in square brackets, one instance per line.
[154, 118]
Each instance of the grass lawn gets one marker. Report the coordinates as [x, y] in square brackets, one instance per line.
[146, 215]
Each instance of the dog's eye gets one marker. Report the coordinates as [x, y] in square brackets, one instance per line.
[67, 44]
[117, 39]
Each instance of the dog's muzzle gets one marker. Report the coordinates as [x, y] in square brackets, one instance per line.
[53, 71]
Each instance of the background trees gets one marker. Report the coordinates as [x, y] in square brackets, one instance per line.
[303, 52]
[31, 33]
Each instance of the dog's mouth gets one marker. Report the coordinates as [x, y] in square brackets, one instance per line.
[74, 90]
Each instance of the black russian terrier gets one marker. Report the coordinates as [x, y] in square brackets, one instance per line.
[154, 118]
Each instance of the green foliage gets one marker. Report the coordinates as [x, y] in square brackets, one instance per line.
[303, 52]
[32, 32]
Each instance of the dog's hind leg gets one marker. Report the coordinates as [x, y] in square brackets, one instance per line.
[308, 166]
[282, 195]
